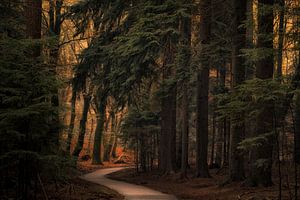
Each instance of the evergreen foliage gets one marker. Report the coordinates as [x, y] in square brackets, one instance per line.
[28, 125]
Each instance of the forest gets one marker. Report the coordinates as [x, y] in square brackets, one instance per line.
[149, 99]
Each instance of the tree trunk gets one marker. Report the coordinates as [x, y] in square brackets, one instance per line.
[249, 72]
[55, 20]
[184, 62]
[221, 139]
[213, 142]
[219, 144]
[143, 152]
[110, 141]
[98, 137]
[202, 93]
[225, 130]
[236, 160]
[261, 169]
[202, 124]
[33, 14]
[112, 153]
[281, 31]
[72, 121]
[179, 129]
[82, 128]
[167, 158]
[168, 133]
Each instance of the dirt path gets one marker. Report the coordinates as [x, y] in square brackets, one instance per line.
[130, 191]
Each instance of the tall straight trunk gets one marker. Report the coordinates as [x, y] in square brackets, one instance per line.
[55, 7]
[143, 152]
[185, 134]
[55, 20]
[249, 72]
[297, 128]
[113, 152]
[185, 28]
[72, 121]
[110, 142]
[202, 124]
[179, 129]
[281, 31]
[225, 130]
[33, 14]
[98, 136]
[213, 141]
[168, 133]
[168, 118]
[82, 128]
[228, 131]
[236, 161]
[221, 139]
[219, 144]
[261, 173]
[202, 92]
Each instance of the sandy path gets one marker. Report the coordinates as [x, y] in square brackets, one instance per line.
[130, 191]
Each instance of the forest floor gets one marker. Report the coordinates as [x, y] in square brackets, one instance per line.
[200, 188]
[79, 189]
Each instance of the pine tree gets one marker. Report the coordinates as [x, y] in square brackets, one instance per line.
[202, 92]
[261, 169]
[236, 163]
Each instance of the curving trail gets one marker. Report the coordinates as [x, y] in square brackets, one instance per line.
[130, 191]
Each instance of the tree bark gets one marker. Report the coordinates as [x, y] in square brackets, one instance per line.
[236, 160]
[262, 175]
[167, 158]
[202, 93]
[109, 142]
[281, 31]
[98, 136]
[213, 141]
[185, 67]
[249, 72]
[221, 136]
[82, 128]
[72, 121]
[33, 14]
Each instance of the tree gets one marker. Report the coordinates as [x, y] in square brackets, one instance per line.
[98, 136]
[72, 120]
[261, 169]
[202, 91]
[26, 88]
[82, 128]
[167, 161]
[236, 164]
[183, 59]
